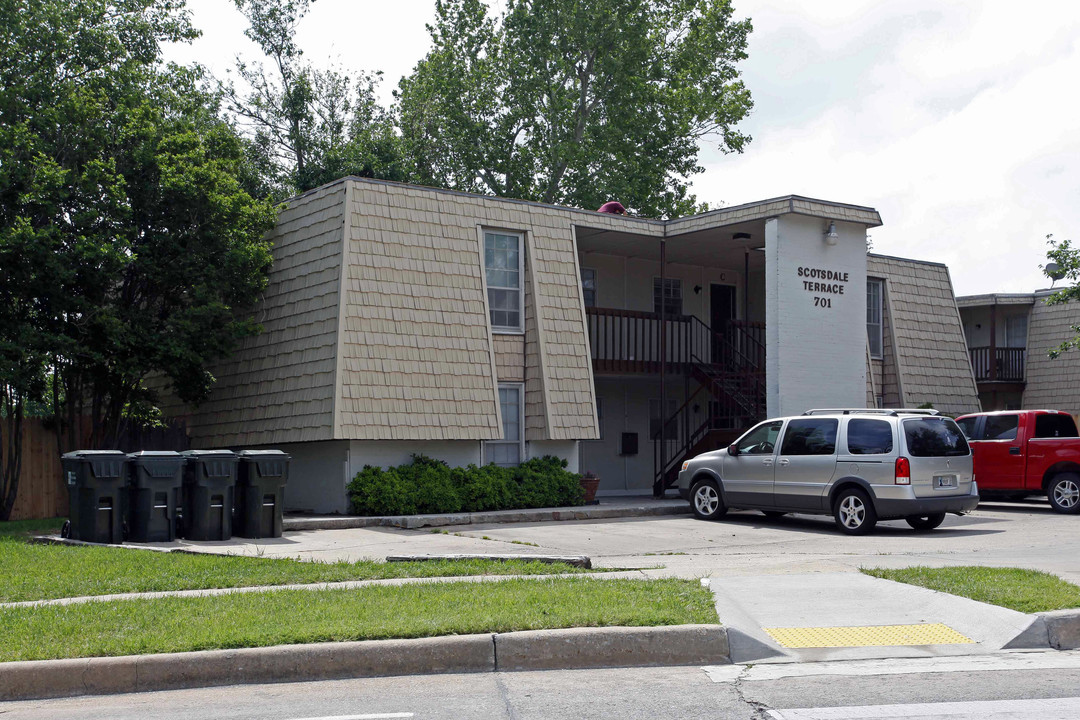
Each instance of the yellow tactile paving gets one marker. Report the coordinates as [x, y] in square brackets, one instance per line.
[868, 635]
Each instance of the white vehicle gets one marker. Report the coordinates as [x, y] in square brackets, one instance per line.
[859, 465]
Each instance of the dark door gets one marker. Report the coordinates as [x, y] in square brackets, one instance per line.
[721, 313]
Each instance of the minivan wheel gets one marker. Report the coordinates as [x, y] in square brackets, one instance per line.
[705, 500]
[853, 512]
[1063, 492]
[925, 522]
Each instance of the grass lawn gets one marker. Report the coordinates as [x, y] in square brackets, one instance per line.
[45, 572]
[1027, 591]
[25, 528]
[378, 612]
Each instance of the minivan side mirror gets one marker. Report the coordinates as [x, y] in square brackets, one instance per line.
[733, 449]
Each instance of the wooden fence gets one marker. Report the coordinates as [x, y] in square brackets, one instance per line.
[42, 492]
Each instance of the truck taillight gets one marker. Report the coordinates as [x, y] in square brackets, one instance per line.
[903, 471]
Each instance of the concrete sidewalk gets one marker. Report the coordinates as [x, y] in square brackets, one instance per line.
[850, 616]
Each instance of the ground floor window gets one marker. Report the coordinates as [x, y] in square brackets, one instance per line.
[509, 451]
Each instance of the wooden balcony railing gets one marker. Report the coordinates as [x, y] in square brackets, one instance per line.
[629, 341]
[1007, 366]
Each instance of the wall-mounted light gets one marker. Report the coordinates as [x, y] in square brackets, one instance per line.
[697, 289]
[830, 235]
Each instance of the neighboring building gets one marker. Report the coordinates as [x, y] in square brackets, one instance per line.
[402, 319]
[1009, 337]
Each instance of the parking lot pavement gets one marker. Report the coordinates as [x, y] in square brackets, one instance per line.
[1025, 535]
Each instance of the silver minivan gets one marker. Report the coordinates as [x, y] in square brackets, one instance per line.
[858, 465]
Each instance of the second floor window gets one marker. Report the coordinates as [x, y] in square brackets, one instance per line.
[670, 295]
[873, 316]
[502, 265]
[588, 286]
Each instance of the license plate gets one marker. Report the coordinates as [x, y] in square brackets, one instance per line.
[943, 482]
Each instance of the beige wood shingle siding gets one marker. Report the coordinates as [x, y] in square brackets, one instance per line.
[930, 349]
[1052, 384]
[416, 351]
[510, 357]
[278, 387]
[417, 347]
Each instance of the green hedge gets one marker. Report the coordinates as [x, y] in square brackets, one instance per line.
[431, 486]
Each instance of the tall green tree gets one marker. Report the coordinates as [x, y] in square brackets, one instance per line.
[127, 244]
[1067, 258]
[306, 125]
[576, 103]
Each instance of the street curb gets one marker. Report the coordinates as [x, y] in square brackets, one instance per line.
[1062, 628]
[573, 648]
[580, 561]
[412, 522]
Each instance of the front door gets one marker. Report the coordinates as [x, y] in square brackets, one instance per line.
[996, 445]
[748, 475]
[721, 313]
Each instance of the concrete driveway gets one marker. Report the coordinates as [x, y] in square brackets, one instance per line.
[1027, 535]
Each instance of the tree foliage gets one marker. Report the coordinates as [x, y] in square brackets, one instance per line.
[127, 242]
[576, 103]
[307, 126]
[1067, 258]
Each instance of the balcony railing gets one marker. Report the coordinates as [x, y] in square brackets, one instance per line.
[1007, 365]
[628, 341]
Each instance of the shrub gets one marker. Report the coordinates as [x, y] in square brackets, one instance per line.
[431, 486]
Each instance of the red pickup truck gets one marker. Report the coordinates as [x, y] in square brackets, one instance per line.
[1022, 452]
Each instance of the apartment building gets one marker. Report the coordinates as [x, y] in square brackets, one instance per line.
[403, 319]
[1009, 336]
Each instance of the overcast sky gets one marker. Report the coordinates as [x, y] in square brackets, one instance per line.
[958, 121]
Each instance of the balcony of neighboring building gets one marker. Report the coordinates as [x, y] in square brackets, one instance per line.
[996, 330]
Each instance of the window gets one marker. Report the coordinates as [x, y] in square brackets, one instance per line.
[502, 266]
[672, 296]
[934, 437]
[869, 437]
[1001, 427]
[813, 436]
[1016, 331]
[508, 451]
[967, 426]
[761, 440]
[873, 316]
[1055, 425]
[588, 286]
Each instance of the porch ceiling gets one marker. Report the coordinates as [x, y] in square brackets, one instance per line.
[712, 247]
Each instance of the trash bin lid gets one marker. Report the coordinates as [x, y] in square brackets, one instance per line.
[209, 454]
[91, 454]
[259, 454]
[149, 454]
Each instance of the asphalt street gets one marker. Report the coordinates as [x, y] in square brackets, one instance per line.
[1014, 686]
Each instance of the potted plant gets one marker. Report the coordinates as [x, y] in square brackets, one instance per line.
[589, 483]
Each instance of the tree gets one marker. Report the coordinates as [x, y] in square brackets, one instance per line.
[307, 126]
[576, 103]
[126, 243]
[1067, 258]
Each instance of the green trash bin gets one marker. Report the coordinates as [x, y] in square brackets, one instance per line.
[260, 493]
[154, 502]
[96, 482]
[209, 484]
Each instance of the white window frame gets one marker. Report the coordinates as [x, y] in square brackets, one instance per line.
[505, 329]
[595, 287]
[520, 442]
[879, 326]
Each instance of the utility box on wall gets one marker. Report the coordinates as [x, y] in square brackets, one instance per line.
[628, 445]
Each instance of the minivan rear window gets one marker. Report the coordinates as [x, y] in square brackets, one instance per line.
[934, 437]
[869, 437]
